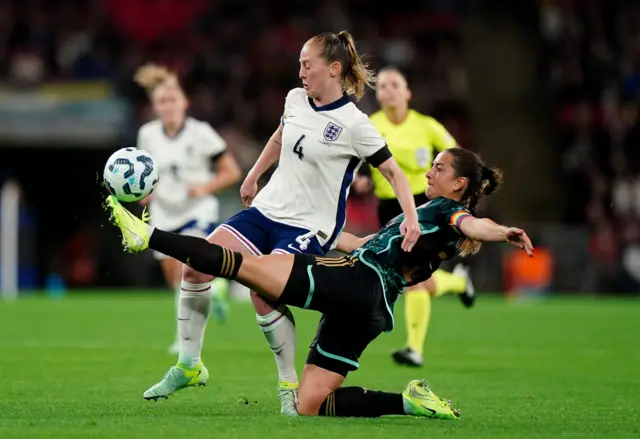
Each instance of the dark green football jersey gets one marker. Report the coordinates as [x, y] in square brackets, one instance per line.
[439, 224]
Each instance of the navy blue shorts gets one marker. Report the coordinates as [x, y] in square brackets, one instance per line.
[263, 236]
[195, 225]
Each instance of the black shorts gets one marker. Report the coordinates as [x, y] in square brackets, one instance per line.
[349, 294]
[389, 209]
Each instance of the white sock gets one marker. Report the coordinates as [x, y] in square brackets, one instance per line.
[178, 291]
[193, 312]
[279, 329]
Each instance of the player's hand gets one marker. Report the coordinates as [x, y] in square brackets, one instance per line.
[410, 229]
[362, 185]
[519, 238]
[198, 191]
[146, 201]
[248, 190]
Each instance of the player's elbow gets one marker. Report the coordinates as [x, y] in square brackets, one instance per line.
[231, 170]
[477, 229]
[390, 170]
[235, 175]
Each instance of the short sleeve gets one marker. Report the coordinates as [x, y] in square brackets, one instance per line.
[450, 214]
[142, 141]
[212, 143]
[283, 118]
[367, 142]
[440, 136]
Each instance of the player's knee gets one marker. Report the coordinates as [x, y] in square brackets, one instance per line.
[195, 277]
[262, 306]
[309, 402]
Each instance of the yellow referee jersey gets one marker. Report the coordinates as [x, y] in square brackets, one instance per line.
[414, 143]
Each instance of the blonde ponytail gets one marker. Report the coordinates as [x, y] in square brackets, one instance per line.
[357, 74]
[150, 76]
[340, 47]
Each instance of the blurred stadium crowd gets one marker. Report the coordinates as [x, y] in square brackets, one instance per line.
[236, 59]
[592, 59]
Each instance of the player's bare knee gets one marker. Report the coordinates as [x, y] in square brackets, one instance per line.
[262, 306]
[195, 277]
[309, 403]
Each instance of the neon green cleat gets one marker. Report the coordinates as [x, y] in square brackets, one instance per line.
[178, 378]
[419, 400]
[135, 232]
[288, 394]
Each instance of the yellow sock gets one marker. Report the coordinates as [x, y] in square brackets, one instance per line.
[417, 305]
[448, 283]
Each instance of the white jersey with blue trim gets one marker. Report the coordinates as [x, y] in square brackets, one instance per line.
[322, 148]
[182, 160]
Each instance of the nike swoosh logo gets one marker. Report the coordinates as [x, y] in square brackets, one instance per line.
[420, 397]
[294, 249]
[276, 349]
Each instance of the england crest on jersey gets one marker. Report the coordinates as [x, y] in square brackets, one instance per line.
[332, 132]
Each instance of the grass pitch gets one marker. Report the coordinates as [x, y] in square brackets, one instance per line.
[77, 367]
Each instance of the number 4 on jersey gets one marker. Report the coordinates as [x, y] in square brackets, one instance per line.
[297, 148]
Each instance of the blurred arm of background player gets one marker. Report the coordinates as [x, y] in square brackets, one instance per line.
[363, 184]
[227, 173]
[268, 157]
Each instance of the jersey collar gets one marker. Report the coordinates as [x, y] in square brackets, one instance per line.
[180, 130]
[344, 100]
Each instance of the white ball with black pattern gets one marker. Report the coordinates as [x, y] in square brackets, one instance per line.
[130, 174]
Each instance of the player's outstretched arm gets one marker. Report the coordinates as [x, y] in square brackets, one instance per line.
[347, 243]
[268, 157]
[485, 230]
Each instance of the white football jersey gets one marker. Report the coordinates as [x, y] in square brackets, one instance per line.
[322, 148]
[182, 160]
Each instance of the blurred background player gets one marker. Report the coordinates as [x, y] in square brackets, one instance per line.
[193, 165]
[320, 143]
[414, 140]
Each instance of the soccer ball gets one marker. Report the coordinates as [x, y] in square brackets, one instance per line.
[130, 174]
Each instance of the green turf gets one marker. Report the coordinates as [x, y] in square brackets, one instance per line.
[77, 367]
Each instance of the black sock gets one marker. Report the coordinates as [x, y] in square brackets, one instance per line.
[197, 253]
[362, 403]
